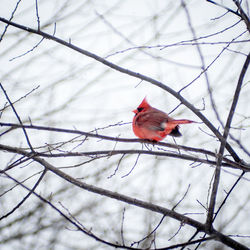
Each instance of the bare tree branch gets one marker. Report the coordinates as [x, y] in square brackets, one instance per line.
[227, 162]
[224, 7]
[12, 15]
[76, 224]
[223, 144]
[17, 116]
[82, 163]
[133, 74]
[136, 202]
[26, 197]
[243, 15]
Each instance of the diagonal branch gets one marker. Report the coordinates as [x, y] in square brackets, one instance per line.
[187, 243]
[223, 144]
[228, 194]
[17, 116]
[240, 12]
[224, 7]
[203, 64]
[26, 197]
[12, 16]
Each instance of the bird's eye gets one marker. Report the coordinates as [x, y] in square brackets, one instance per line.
[140, 109]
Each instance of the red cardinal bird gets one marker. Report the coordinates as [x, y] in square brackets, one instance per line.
[154, 125]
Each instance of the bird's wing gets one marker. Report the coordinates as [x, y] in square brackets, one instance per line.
[152, 120]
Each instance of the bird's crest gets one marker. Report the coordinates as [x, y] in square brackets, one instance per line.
[144, 103]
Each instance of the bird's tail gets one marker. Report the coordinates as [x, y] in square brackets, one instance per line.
[182, 121]
[172, 127]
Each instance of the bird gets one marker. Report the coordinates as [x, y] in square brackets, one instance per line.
[153, 124]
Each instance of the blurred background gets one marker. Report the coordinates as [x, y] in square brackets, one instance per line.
[54, 86]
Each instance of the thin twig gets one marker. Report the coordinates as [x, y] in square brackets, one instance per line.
[22, 97]
[122, 227]
[204, 68]
[227, 196]
[27, 52]
[26, 197]
[224, 7]
[187, 243]
[117, 167]
[12, 15]
[177, 204]
[151, 233]
[17, 116]
[37, 16]
[136, 161]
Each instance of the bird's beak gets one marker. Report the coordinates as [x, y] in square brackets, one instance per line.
[135, 111]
